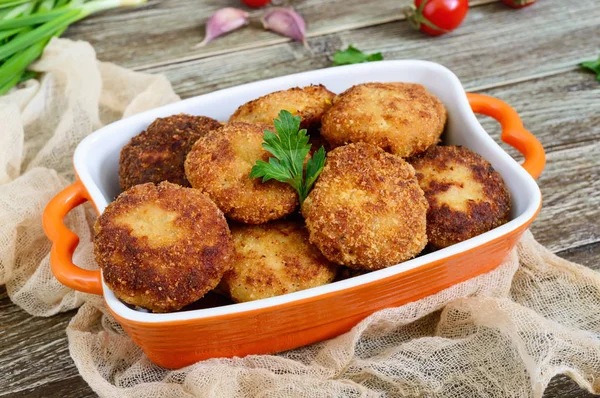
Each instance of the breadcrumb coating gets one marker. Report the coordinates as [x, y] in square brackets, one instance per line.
[219, 165]
[366, 210]
[466, 196]
[310, 103]
[401, 118]
[162, 247]
[158, 153]
[274, 259]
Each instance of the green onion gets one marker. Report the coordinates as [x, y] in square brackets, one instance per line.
[8, 33]
[16, 11]
[12, 3]
[45, 6]
[16, 64]
[26, 27]
[32, 19]
[28, 74]
[10, 84]
[23, 41]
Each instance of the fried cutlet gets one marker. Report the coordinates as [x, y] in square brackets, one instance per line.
[158, 153]
[366, 210]
[401, 118]
[466, 196]
[162, 247]
[219, 165]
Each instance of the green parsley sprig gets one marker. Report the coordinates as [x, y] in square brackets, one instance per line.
[290, 147]
[353, 55]
[593, 66]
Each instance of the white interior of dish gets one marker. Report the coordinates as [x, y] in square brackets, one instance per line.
[96, 160]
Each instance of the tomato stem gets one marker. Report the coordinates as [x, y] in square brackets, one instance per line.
[416, 18]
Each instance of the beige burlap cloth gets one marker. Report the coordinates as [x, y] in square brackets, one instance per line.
[503, 334]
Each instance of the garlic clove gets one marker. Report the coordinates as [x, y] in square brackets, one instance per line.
[223, 21]
[286, 22]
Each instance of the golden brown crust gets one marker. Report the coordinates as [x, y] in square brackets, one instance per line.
[162, 247]
[466, 196]
[274, 259]
[157, 154]
[366, 210]
[401, 118]
[219, 165]
[310, 103]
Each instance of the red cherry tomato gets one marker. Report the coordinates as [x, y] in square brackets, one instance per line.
[256, 3]
[518, 3]
[436, 17]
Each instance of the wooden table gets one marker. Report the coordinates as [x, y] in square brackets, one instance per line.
[526, 57]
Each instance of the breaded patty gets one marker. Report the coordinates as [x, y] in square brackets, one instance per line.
[219, 165]
[366, 210]
[274, 259]
[401, 118]
[310, 103]
[157, 154]
[162, 247]
[466, 196]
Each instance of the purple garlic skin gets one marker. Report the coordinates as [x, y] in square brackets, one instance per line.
[286, 22]
[224, 21]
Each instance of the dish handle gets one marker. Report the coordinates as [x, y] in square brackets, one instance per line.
[513, 132]
[64, 241]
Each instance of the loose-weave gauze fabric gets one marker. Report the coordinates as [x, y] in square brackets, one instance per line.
[503, 334]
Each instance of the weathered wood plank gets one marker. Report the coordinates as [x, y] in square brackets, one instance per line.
[564, 387]
[586, 255]
[33, 351]
[34, 354]
[571, 205]
[72, 385]
[165, 32]
[58, 377]
[562, 111]
[522, 44]
[34, 359]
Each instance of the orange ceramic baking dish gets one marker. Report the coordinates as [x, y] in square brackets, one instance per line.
[280, 323]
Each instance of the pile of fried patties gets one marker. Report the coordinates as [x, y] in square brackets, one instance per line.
[191, 220]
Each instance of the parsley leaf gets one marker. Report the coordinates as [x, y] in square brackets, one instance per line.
[314, 166]
[290, 147]
[594, 66]
[353, 55]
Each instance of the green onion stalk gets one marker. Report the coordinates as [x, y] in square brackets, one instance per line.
[26, 27]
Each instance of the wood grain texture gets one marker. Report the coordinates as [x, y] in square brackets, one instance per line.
[570, 215]
[56, 375]
[527, 58]
[564, 387]
[563, 112]
[585, 255]
[166, 32]
[34, 356]
[522, 45]
[33, 351]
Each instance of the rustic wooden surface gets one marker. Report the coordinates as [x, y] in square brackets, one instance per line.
[528, 58]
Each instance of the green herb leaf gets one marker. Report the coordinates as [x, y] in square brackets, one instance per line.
[290, 147]
[314, 166]
[273, 170]
[353, 55]
[594, 66]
